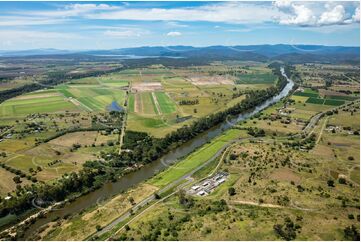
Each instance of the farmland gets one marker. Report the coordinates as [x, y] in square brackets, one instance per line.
[160, 100]
[163, 100]
[51, 133]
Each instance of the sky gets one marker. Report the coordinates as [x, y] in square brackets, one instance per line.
[110, 25]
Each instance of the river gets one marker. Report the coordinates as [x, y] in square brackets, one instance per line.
[147, 171]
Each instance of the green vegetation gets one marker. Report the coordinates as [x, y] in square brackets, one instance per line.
[256, 78]
[165, 103]
[334, 102]
[315, 100]
[207, 152]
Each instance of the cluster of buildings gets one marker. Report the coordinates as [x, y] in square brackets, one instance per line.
[208, 185]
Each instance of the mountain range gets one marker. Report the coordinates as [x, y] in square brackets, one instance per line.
[282, 52]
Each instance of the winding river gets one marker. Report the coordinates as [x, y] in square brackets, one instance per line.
[147, 171]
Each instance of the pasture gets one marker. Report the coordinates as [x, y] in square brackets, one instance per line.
[195, 159]
[255, 78]
[36, 102]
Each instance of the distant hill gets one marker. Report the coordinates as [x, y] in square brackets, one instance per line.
[282, 52]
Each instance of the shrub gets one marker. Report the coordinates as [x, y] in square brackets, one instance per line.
[231, 191]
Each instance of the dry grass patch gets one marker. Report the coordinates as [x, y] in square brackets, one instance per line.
[146, 86]
[82, 226]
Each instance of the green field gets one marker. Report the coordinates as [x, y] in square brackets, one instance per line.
[195, 159]
[333, 102]
[21, 107]
[131, 103]
[93, 97]
[165, 103]
[255, 78]
[321, 101]
[346, 98]
[315, 100]
[306, 94]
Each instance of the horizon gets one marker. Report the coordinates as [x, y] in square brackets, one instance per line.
[102, 25]
[164, 46]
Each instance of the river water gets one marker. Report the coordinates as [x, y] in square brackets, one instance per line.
[149, 170]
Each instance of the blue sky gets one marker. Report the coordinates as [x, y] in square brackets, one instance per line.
[109, 25]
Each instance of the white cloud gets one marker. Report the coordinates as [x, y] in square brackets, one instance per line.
[282, 4]
[334, 16]
[174, 34]
[174, 24]
[281, 11]
[70, 10]
[126, 32]
[356, 16]
[230, 12]
[22, 21]
[28, 34]
[302, 16]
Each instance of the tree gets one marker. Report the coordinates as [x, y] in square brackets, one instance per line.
[231, 191]
[98, 227]
[342, 180]
[16, 179]
[351, 233]
[184, 200]
[288, 230]
[131, 200]
[330, 183]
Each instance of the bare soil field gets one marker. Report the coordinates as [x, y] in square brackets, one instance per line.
[210, 80]
[146, 86]
[82, 138]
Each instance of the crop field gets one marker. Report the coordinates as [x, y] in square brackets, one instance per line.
[306, 94]
[165, 103]
[158, 100]
[93, 98]
[36, 103]
[346, 98]
[315, 100]
[267, 78]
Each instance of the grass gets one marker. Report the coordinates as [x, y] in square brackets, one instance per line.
[83, 225]
[22, 107]
[256, 78]
[94, 97]
[147, 103]
[131, 103]
[333, 102]
[194, 160]
[315, 100]
[306, 94]
[346, 98]
[165, 103]
[7, 184]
